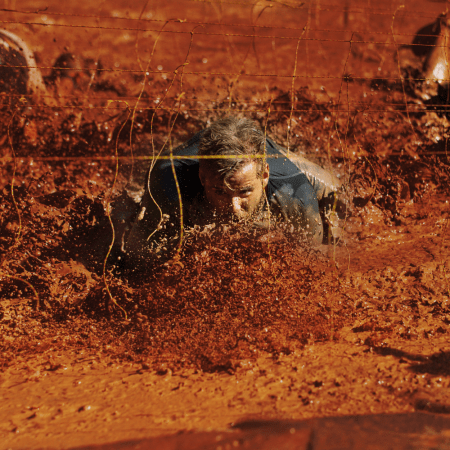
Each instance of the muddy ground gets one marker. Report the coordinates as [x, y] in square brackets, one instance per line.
[240, 326]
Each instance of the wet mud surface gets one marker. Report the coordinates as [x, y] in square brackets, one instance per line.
[240, 327]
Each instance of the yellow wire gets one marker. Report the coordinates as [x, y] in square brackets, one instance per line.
[19, 231]
[25, 282]
[293, 87]
[108, 214]
[186, 62]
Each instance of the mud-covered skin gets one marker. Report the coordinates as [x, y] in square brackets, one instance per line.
[291, 199]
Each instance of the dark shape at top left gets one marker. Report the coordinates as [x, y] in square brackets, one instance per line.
[19, 75]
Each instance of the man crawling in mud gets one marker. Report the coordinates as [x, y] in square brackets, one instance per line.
[229, 173]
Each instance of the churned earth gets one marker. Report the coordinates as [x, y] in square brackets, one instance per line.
[240, 328]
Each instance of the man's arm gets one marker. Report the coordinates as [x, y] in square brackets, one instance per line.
[148, 236]
[154, 231]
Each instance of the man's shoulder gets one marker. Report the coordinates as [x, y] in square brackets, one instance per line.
[185, 157]
[280, 166]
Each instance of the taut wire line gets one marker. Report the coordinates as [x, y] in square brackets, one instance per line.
[36, 295]
[228, 44]
[177, 184]
[330, 8]
[252, 45]
[174, 157]
[156, 157]
[19, 231]
[412, 153]
[335, 126]
[94, 72]
[255, 26]
[375, 185]
[447, 67]
[13, 179]
[398, 107]
[136, 45]
[265, 194]
[346, 156]
[142, 91]
[171, 156]
[441, 247]
[343, 145]
[219, 74]
[300, 5]
[418, 14]
[293, 88]
[272, 37]
[108, 214]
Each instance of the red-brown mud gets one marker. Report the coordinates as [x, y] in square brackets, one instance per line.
[239, 326]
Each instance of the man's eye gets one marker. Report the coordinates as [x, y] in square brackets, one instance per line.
[246, 191]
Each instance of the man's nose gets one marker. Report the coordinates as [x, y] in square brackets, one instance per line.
[236, 206]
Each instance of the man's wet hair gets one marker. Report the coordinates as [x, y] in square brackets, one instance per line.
[228, 137]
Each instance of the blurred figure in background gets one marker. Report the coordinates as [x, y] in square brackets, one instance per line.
[21, 78]
[432, 44]
[19, 75]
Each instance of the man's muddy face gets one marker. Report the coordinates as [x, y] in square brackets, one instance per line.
[240, 196]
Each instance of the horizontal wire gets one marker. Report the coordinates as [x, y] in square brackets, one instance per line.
[229, 74]
[387, 11]
[23, 99]
[141, 109]
[243, 74]
[325, 7]
[219, 24]
[273, 3]
[199, 33]
[236, 103]
[113, 159]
